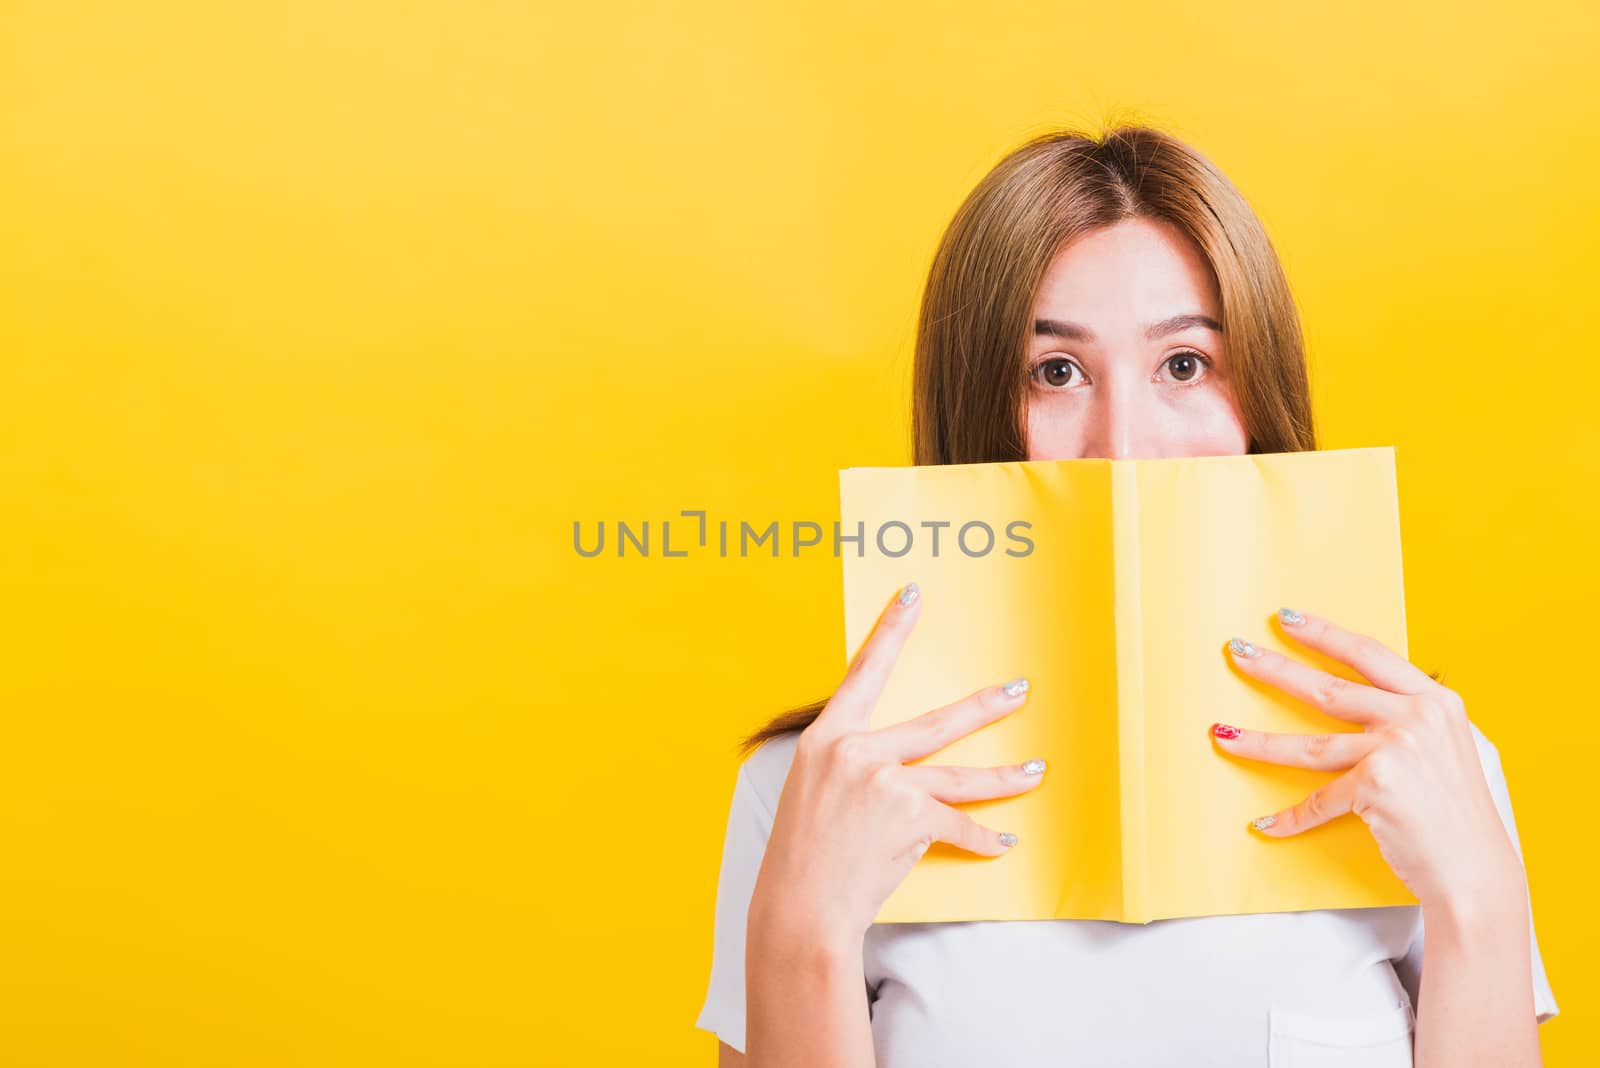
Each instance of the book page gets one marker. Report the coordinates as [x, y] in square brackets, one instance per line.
[1223, 543]
[987, 617]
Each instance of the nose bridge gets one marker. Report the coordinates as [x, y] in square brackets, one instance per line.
[1117, 419]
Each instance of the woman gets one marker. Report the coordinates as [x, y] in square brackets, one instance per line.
[1115, 297]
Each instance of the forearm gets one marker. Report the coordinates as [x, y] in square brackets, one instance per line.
[805, 999]
[1475, 1005]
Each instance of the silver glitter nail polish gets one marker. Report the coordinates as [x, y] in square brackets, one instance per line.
[909, 593]
[1033, 767]
[1008, 839]
[1015, 687]
[1264, 822]
[1290, 617]
[1240, 647]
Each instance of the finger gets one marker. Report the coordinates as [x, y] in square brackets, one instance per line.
[850, 707]
[932, 731]
[1323, 752]
[954, 785]
[1376, 662]
[1343, 698]
[962, 831]
[1321, 805]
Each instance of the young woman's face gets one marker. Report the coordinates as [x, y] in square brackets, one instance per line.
[1126, 358]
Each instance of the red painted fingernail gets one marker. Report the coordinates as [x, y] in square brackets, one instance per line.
[1222, 730]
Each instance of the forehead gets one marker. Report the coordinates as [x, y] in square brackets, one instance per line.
[1141, 269]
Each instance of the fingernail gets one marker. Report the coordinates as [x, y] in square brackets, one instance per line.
[1033, 767]
[1222, 730]
[909, 593]
[1240, 647]
[1290, 618]
[1264, 822]
[1015, 687]
[1008, 839]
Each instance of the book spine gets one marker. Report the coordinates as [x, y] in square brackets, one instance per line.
[1130, 689]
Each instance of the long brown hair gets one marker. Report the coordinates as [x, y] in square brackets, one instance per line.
[968, 380]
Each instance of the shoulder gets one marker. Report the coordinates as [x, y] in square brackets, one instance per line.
[1486, 748]
[1499, 790]
[1488, 756]
[764, 771]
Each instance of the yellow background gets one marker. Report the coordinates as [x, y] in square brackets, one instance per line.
[322, 323]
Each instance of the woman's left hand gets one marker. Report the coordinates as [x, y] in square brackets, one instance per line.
[1413, 773]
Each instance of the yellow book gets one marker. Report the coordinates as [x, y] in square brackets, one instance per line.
[1113, 586]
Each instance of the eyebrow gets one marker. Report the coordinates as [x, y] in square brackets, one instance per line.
[1069, 331]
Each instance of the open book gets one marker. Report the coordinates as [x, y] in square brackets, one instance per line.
[1114, 586]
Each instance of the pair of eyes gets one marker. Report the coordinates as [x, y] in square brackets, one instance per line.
[1056, 372]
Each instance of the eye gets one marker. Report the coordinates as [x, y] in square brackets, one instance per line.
[1057, 372]
[1187, 367]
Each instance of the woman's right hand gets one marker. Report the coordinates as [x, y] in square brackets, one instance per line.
[853, 819]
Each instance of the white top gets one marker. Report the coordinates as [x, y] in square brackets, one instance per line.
[1331, 987]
